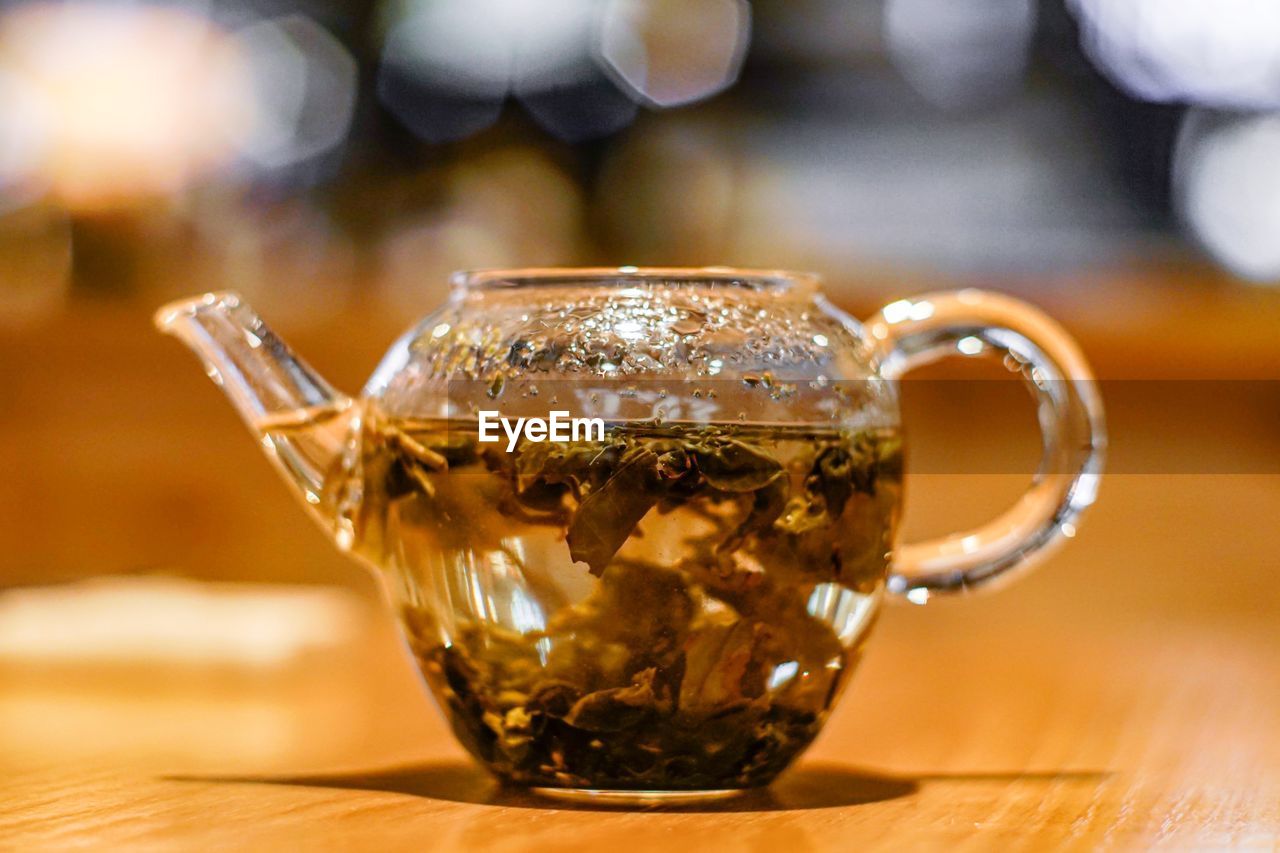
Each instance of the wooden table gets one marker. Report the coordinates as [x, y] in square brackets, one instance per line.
[1126, 695]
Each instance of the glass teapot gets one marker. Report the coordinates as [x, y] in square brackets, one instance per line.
[638, 523]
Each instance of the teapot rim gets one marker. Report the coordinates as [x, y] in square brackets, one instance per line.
[515, 277]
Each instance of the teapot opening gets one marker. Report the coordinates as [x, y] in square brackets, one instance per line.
[631, 276]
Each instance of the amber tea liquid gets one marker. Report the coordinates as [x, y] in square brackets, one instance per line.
[673, 608]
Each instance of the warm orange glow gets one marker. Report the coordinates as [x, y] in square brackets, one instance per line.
[122, 102]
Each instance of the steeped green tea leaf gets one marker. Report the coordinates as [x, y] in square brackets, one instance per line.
[606, 516]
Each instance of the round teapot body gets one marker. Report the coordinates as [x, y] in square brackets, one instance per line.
[637, 522]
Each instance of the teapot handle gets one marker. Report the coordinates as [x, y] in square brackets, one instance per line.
[909, 333]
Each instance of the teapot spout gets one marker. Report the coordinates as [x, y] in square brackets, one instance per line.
[304, 424]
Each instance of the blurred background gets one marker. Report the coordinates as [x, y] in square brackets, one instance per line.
[1117, 162]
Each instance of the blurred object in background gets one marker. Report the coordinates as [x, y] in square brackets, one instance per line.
[580, 68]
[288, 254]
[669, 53]
[157, 621]
[304, 90]
[513, 205]
[106, 105]
[110, 103]
[448, 67]
[35, 264]
[963, 53]
[1228, 188]
[696, 161]
[1002, 194]
[188, 675]
[1214, 52]
[318, 152]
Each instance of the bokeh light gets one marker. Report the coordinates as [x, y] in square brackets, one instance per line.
[103, 105]
[961, 53]
[21, 140]
[1222, 53]
[559, 81]
[1227, 186]
[445, 70]
[674, 52]
[110, 102]
[449, 65]
[588, 107]
[304, 87]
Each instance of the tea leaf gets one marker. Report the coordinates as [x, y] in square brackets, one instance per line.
[607, 516]
[717, 659]
[733, 466]
[617, 708]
